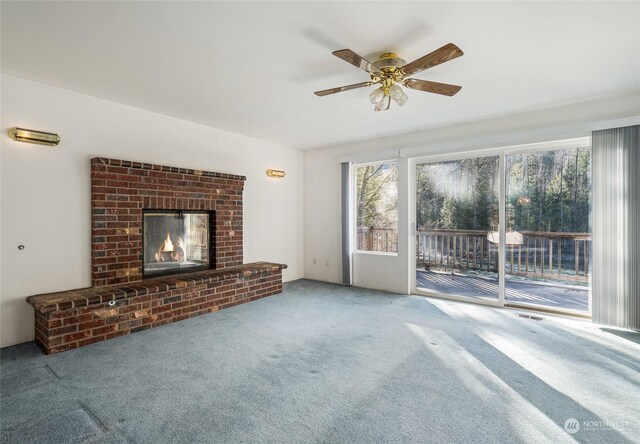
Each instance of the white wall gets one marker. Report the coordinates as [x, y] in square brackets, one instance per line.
[322, 229]
[46, 191]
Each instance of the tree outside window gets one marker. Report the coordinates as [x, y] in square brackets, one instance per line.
[377, 207]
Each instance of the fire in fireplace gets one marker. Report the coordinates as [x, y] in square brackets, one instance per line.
[176, 241]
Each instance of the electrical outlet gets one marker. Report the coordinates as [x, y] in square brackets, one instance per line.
[326, 264]
[315, 261]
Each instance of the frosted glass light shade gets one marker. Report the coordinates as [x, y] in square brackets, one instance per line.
[398, 95]
[376, 95]
[383, 104]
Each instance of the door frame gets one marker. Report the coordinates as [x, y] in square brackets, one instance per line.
[413, 162]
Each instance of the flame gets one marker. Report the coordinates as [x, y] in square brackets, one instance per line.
[170, 252]
[167, 245]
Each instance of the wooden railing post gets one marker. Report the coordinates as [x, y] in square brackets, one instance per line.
[560, 256]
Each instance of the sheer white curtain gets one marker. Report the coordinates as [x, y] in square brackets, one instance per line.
[616, 227]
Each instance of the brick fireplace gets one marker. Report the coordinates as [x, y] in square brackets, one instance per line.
[121, 301]
[121, 190]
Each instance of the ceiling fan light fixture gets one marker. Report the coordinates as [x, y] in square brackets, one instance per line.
[383, 104]
[376, 95]
[398, 95]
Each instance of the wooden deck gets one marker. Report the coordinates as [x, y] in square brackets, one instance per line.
[557, 297]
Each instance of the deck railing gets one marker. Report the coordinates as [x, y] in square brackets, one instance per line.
[377, 239]
[552, 255]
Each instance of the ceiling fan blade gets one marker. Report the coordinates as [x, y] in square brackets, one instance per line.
[444, 54]
[327, 92]
[433, 87]
[351, 57]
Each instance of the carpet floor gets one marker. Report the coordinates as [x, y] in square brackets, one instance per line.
[326, 363]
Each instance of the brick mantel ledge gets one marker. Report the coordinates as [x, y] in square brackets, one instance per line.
[167, 169]
[74, 318]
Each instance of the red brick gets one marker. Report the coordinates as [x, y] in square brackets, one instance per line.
[115, 334]
[91, 340]
[63, 330]
[103, 330]
[62, 348]
[76, 336]
[91, 324]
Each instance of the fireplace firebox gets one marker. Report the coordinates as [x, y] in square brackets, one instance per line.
[176, 241]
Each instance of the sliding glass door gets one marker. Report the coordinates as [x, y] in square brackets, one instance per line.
[523, 214]
[548, 204]
[457, 227]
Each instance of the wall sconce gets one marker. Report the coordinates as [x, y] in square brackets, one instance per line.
[276, 173]
[31, 136]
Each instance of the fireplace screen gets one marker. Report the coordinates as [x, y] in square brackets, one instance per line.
[176, 241]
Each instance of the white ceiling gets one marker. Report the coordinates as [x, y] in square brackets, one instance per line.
[251, 68]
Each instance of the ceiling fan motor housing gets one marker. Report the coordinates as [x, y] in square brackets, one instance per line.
[389, 60]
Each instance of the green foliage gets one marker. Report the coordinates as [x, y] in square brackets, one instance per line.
[377, 195]
[448, 213]
[546, 191]
[551, 190]
[458, 194]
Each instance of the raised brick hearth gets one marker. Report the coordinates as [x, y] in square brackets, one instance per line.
[120, 301]
[71, 319]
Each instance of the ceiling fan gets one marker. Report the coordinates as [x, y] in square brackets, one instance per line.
[390, 71]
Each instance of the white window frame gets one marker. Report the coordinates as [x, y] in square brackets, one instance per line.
[354, 207]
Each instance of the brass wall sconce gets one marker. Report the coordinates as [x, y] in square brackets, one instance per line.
[276, 173]
[32, 136]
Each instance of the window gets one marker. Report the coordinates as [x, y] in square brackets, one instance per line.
[377, 207]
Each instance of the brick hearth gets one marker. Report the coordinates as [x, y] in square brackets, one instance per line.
[72, 319]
